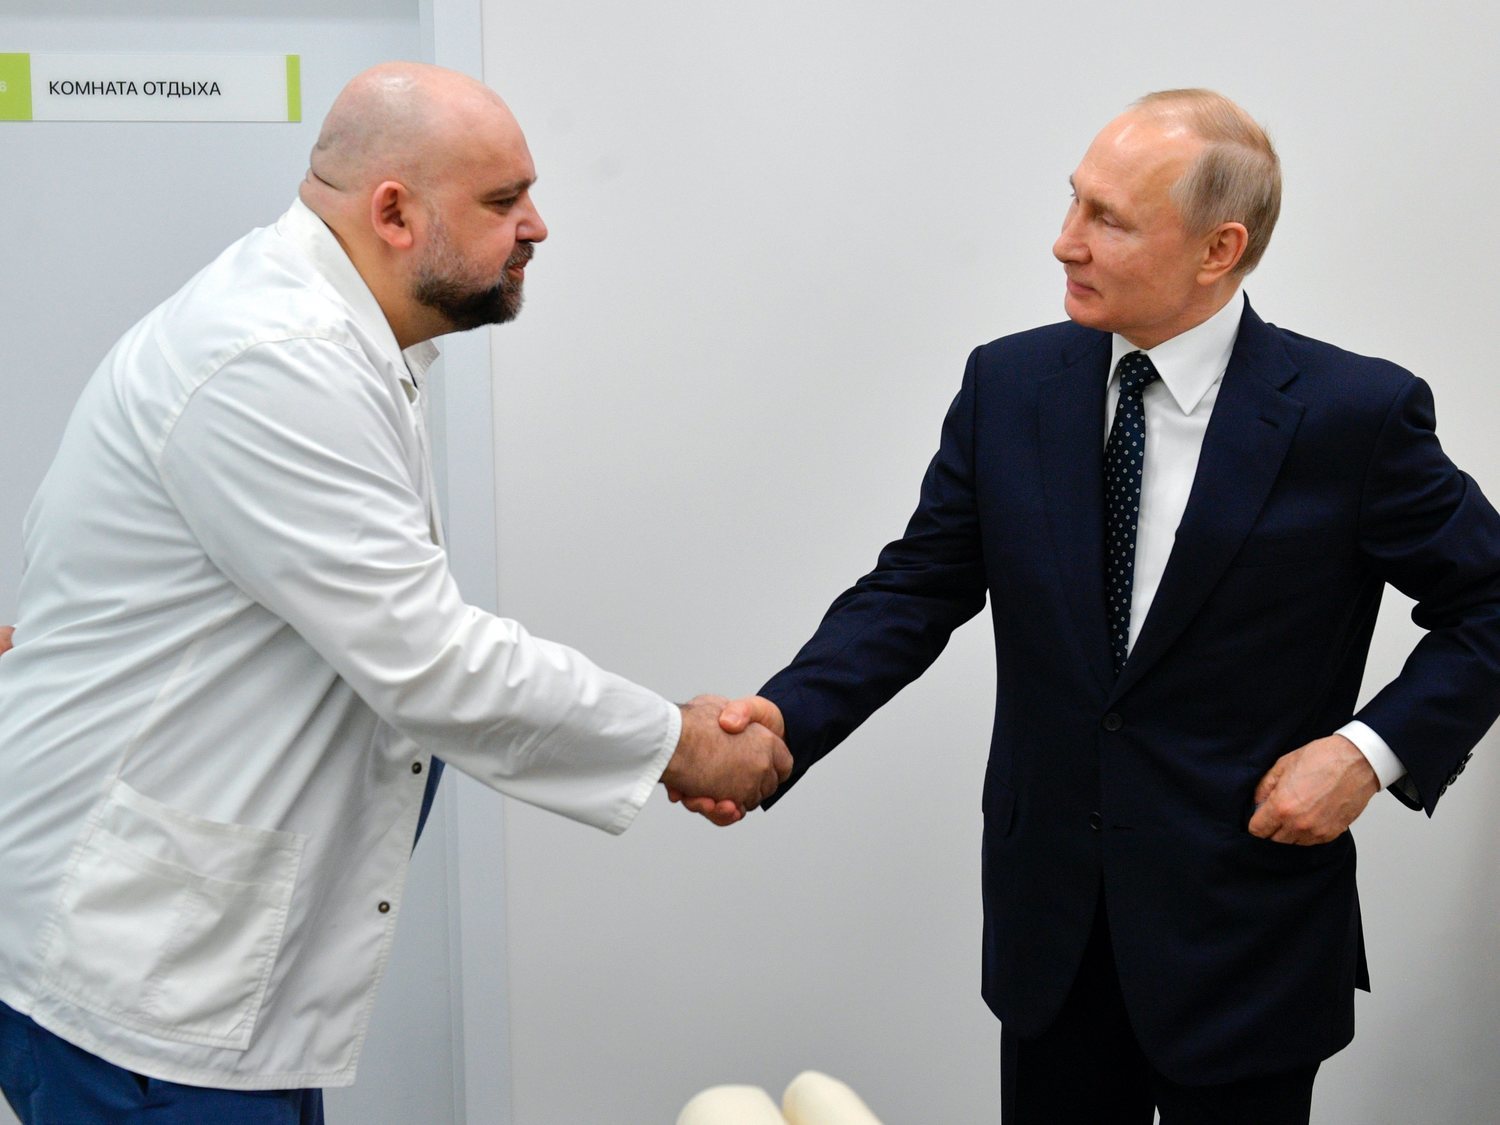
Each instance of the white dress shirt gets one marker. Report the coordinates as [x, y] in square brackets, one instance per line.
[1178, 406]
[238, 646]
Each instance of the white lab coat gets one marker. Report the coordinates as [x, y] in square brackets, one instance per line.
[238, 645]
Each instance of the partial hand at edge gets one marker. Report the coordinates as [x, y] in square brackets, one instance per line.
[721, 774]
[1313, 794]
[742, 712]
[6, 633]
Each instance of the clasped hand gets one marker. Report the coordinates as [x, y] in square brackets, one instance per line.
[1313, 794]
[730, 757]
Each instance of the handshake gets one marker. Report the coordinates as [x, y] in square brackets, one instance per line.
[730, 757]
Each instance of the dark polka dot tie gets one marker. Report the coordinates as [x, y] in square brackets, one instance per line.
[1124, 454]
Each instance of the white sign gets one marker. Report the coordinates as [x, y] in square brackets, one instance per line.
[105, 87]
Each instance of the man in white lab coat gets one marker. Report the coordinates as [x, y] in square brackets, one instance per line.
[239, 646]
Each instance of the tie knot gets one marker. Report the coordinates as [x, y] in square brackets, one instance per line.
[1136, 372]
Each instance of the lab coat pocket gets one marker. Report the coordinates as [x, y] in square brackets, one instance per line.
[169, 923]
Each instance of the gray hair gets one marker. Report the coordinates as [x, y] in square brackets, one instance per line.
[1236, 178]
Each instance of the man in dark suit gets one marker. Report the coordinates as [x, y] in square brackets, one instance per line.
[1181, 626]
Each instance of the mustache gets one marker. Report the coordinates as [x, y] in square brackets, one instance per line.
[522, 254]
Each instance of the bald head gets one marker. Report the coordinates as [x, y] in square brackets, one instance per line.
[424, 177]
[402, 121]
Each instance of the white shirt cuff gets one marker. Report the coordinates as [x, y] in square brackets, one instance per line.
[1382, 758]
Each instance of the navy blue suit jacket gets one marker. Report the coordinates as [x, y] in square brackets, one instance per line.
[1320, 481]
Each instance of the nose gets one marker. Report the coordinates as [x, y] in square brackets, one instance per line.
[1070, 246]
[531, 228]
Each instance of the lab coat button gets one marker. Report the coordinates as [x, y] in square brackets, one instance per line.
[384, 908]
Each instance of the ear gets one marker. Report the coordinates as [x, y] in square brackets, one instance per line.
[1222, 250]
[391, 214]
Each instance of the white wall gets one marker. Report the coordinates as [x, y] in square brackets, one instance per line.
[777, 230]
[104, 220]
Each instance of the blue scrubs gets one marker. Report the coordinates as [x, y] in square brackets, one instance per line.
[48, 1081]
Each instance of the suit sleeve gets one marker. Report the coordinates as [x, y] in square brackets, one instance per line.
[1428, 530]
[885, 630]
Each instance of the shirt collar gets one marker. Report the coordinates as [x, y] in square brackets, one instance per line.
[311, 235]
[1193, 361]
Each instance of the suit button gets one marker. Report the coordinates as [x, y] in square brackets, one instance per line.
[1096, 821]
[1113, 722]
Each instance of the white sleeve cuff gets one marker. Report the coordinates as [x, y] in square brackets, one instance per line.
[1382, 758]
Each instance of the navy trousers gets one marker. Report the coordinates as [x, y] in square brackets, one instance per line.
[1088, 1068]
[48, 1081]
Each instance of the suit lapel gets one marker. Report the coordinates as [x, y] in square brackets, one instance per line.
[1248, 437]
[1070, 429]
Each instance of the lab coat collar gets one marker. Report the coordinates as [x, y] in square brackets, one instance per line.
[311, 235]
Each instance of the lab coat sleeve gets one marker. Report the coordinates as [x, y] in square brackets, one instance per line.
[291, 464]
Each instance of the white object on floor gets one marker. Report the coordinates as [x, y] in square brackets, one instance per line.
[731, 1105]
[816, 1099]
[811, 1099]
